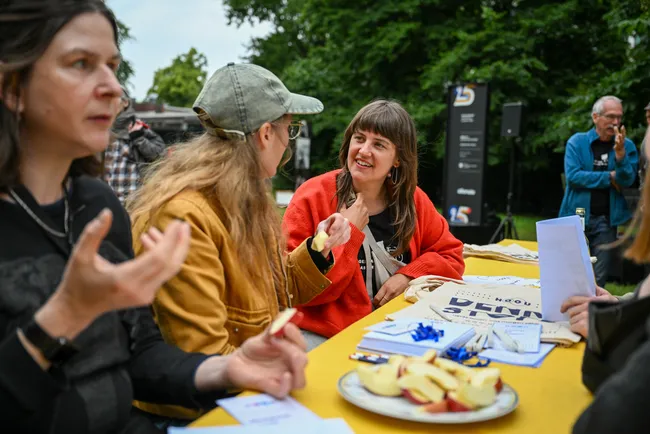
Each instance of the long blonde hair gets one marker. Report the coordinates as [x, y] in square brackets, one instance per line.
[227, 173]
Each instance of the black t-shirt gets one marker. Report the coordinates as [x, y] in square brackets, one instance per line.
[382, 229]
[600, 196]
[122, 354]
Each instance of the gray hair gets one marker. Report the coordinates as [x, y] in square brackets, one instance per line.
[598, 105]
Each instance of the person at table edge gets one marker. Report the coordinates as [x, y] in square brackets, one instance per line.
[376, 190]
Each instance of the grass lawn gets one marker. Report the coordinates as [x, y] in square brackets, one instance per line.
[619, 289]
[525, 226]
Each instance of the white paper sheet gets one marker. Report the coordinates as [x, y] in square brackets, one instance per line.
[324, 426]
[533, 360]
[564, 264]
[528, 335]
[265, 410]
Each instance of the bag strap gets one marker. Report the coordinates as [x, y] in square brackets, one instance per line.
[382, 255]
[63, 244]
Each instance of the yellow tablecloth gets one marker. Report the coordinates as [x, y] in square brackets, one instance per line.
[551, 397]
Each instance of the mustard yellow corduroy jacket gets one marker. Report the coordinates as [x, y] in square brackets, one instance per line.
[211, 306]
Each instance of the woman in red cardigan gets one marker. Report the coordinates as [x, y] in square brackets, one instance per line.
[393, 222]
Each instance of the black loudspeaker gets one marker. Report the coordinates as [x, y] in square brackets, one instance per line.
[512, 119]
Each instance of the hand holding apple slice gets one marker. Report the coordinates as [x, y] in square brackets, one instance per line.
[318, 242]
[291, 315]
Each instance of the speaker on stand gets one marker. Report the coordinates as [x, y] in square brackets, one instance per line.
[511, 128]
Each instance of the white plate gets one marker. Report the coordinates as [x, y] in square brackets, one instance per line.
[352, 390]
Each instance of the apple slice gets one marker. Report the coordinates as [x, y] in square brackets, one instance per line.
[477, 396]
[380, 379]
[443, 378]
[286, 316]
[461, 372]
[486, 377]
[428, 357]
[455, 404]
[419, 389]
[436, 407]
[402, 367]
[396, 359]
[415, 397]
[318, 242]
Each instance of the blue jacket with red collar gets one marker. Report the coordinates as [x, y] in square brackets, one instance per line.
[581, 178]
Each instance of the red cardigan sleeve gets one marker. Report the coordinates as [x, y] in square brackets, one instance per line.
[440, 253]
[300, 220]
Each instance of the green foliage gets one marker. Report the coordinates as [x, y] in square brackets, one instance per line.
[557, 56]
[179, 83]
[125, 71]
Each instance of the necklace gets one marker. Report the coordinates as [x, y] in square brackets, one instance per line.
[31, 213]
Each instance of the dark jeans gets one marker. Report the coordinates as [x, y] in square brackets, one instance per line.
[600, 233]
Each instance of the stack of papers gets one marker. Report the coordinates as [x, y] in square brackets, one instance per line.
[512, 253]
[400, 341]
[482, 305]
[502, 280]
[564, 265]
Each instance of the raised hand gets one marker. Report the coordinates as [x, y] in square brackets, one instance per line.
[357, 214]
[619, 142]
[337, 228]
[94, 285]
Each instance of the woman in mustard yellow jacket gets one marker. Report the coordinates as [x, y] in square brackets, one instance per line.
[236, 277]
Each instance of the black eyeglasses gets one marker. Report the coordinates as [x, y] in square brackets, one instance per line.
[293, 128]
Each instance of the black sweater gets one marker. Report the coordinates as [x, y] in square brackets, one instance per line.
[122, 354]
[620, 404]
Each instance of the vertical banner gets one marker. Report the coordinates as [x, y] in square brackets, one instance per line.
[303, 151]
[466, 154]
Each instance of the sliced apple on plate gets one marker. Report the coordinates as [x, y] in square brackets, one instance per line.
[436, 407]
[419, 389]
[443, 378]
[291, 315]
[461, 372]
[380, 379]
[456, 404]
[429, 357]
[486, 377]
[477, 396]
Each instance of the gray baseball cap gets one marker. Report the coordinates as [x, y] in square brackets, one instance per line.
[238, 98]
[647, 107]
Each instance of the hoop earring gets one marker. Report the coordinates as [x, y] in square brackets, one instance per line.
[394, 174]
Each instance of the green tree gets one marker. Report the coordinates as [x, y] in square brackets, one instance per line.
[125, 71]
[557, 56]
[179, 83]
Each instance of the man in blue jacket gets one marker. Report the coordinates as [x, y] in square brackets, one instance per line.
[598, 164]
